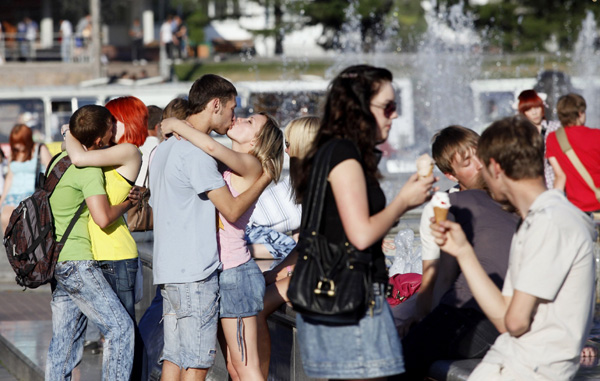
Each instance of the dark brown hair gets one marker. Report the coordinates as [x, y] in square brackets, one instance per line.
[347, 115]
[154, 117]
[209, 87]
[516, 145]
[91, 122]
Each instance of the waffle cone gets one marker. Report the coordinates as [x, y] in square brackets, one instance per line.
[425, 172]
[440, 213]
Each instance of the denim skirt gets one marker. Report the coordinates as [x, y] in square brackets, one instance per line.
[368, 349]
[242, 291]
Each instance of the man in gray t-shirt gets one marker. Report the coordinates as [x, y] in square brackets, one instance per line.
[186, 186]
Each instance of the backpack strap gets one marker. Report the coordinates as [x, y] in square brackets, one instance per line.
[565, 146]
[72, 223]
[52, 180]
[54, 175]
[38, 165]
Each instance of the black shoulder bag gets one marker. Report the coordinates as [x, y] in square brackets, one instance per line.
[332, 281]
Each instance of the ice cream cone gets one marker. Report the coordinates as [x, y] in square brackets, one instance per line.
[424, 166]
[441, 214]
[441, 205]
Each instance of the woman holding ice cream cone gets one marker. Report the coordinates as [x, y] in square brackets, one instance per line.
[358, 115]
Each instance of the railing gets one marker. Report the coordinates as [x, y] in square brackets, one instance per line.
[15, 47]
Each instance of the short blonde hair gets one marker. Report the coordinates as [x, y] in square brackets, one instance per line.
[269, 147]
[300, 133]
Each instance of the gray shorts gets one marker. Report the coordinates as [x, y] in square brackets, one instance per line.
[190, 316]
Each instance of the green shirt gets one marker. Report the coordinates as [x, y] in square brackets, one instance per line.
[76, 185]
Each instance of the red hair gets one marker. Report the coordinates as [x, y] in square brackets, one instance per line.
[529, 99]
[133, 113]
[21, 134]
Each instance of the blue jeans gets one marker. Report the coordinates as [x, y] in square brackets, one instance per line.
[121, 277]
[83, 293]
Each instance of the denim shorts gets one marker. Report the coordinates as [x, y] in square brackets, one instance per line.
[190, 316]
[278, 244]
[242, 291]
[369, 349]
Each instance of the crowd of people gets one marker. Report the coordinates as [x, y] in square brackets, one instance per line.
[508, 278]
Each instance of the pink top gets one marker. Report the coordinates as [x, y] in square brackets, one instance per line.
[232, 245]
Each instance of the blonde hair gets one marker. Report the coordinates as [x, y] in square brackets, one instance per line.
[300, 133]
[269, 147]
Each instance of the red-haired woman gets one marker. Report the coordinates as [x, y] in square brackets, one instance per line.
[21, 175]
[531, 106]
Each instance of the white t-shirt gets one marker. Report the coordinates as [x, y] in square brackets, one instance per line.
[166, 33]
[551, 257]
[429, 249]
[66, 29]
[276, 208]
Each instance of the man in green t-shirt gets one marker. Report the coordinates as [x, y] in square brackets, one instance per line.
[81, 290]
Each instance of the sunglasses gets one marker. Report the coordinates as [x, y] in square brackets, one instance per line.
[388, 109]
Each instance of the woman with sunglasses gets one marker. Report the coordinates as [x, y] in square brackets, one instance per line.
[358, 115]
[20, 182]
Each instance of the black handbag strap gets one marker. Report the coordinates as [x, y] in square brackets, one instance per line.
[315, 198]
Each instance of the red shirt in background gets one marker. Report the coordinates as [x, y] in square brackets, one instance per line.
[586, 144]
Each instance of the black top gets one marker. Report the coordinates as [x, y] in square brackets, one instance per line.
[331, 225]
[489, 229]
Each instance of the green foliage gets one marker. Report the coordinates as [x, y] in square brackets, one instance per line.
[195, 24]
[526, 25]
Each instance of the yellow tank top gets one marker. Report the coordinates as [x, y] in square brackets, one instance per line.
[115, 242]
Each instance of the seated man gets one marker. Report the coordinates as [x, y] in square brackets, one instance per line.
[545, 309]
[454, 150]
[457, 328]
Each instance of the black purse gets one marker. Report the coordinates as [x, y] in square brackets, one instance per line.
[332, 282]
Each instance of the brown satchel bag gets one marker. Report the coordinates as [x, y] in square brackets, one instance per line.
[139, 217]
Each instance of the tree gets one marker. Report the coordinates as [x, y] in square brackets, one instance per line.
[526, 25]
[331, 14]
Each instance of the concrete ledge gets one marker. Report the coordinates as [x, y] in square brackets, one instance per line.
[457, 370]
[17, 363]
